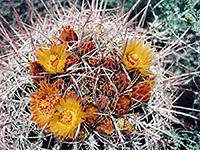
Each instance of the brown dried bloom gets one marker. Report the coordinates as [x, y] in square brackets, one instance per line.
[103, 103]
[36, 70]
[110, 63]
[142, 90]
[108, 90]
[121, 81]
[59, 84]
[68, 35]
[71, 60]
[91, 110]
[86, 47]
[105, 125]
[123, 104]
[125, 126]
[94, 62]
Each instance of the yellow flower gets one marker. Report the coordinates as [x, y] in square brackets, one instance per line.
[69, 114]
[53, 60]
[138, 56]
[43, 103]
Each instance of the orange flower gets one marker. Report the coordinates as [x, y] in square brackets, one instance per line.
[53, 60]
[138, 56]
[67, 118]
[43, 103]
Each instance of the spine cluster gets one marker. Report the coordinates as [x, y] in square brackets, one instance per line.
[106, 88]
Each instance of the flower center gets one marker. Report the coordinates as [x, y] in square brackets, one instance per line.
[54, 60]
[66, 117]
[132, 58]
[47, 104]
